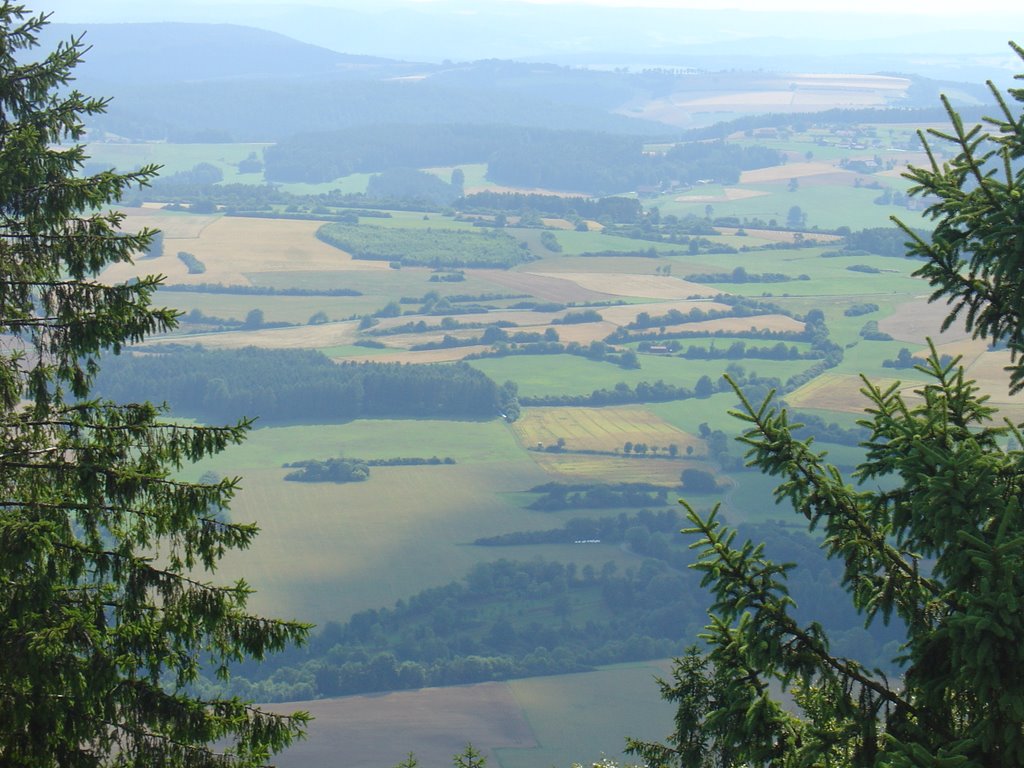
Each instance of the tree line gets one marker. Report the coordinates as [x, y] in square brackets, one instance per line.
[290, 386]
[352, 470]
[590, 162]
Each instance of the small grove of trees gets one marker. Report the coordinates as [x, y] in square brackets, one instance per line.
[930, 541]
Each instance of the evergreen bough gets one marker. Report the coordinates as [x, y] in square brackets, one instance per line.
[931, 535]
[105, 611]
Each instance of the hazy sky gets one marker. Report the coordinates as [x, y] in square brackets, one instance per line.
[884, 7]
[888, 7]
[537, 29]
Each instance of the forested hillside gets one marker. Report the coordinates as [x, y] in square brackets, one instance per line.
[290, 386]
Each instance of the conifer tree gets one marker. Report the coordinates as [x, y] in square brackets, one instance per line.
[931, 536]
[106, 613]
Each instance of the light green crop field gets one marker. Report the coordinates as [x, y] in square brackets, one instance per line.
[464, 441]
[326, 551]
[475, 175]
[415, 220]
[177, 157]
[582, 718]
[353, 184]
[574, 243]
[826, 206]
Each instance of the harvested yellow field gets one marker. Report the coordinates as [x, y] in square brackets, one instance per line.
[549, 287]
[600, 429]
[423, 356]
[581, 333]
[232, 247]
[786, 172]
[627, 313]
[836, 392]
[919, 320]
[575, 468]
[174, 224]
[847, 81]
[758, 322]
[558, 223]
[728, 195]
[293, 337]
[988, 369]
[650, 286]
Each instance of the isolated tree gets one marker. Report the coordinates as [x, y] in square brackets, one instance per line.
[931, 537]
[105, 611]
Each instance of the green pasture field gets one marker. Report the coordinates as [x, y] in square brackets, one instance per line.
[626, 265]
[574, 243]
[464, 441]
[421, 221]
[829, 276]
[583, 717]
[826, 206]
[867, 356]
[366, 545]
[177, 157]
[713, 411]
[539, 375]
[844, 329]
[353, 184]
[475, 175]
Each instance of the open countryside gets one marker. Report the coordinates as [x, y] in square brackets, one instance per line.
[489, 344]
[593, 343]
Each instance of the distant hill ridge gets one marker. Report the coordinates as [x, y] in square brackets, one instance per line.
[143, 52]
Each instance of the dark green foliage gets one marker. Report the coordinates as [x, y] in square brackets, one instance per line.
[289, 386]
[411, 184]
[589, 162]
[329, 471]
[870, 332]
[698, 481]
[865, 268]
[860, 309]
[559, 496]
[607, 530]
[583, 316]
[550, 242]
[975, 256]
[437, 248]
[351, 470]
[884, 241]
[930, 541]
[105, 554]
[740, 275]
[195, 266]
